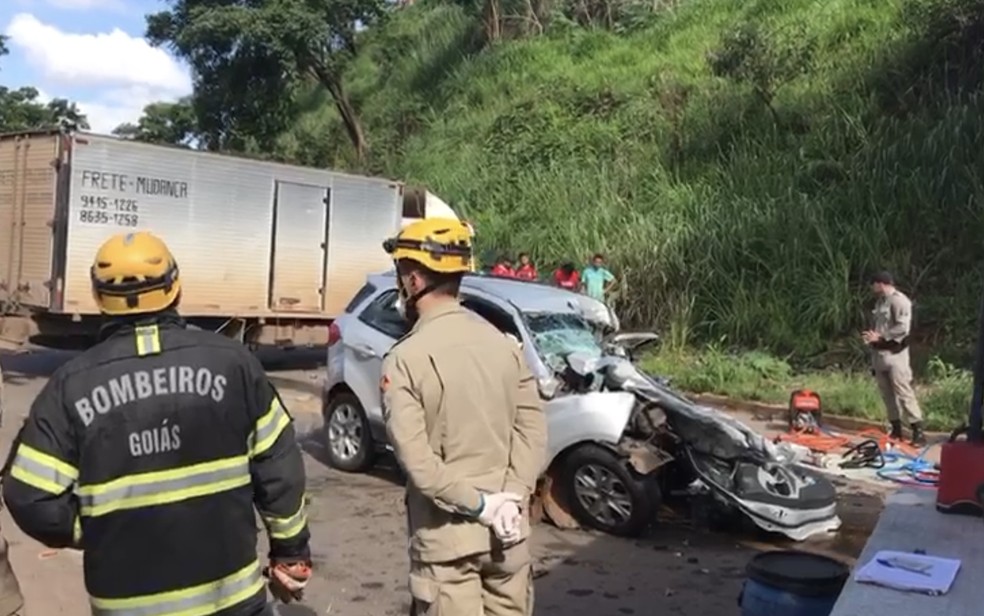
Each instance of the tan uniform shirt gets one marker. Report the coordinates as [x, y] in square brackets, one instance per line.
[464, 416]
[892, 319]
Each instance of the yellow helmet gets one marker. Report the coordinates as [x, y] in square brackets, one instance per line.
[442, 245]
[134, 273]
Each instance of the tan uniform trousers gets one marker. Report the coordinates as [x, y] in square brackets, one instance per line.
[489, 584]
[894, 380]
[11, 601]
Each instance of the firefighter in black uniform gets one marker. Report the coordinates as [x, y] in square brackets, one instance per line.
[149, 451]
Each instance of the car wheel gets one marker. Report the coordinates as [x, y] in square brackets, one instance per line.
[604, 494]
[347, 437]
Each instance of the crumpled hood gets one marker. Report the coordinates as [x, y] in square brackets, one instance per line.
[715, 433]
[705, 429]
[736, 464]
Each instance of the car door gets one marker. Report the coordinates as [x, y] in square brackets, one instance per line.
[505, 317]
[375, 331]
[508, 319]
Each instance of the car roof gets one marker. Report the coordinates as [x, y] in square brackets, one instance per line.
[527, 296]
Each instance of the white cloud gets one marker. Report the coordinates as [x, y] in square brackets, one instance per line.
[116, 107]
[127, 71]
[77, 5]
[113, 58]
[85, 4]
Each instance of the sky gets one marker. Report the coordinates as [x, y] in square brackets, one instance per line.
[91, 52]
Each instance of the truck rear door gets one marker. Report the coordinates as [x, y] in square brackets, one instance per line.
[28, 183]
[300, 235]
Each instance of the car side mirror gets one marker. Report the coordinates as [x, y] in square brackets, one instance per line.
[630, 345]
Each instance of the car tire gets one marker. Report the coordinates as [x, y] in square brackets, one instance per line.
[614, 482]
[347, 438]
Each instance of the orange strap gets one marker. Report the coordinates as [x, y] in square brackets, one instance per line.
[827, 443]
[819, 442]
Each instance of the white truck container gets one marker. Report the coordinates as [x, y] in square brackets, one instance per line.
[268, 253]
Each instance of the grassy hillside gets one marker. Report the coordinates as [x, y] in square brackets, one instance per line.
[743, 164]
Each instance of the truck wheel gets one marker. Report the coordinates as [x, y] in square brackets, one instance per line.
[605, 494]
[347, 437]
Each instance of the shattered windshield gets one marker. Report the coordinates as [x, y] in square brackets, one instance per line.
[556, 335]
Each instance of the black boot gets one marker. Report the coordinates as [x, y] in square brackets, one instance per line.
[918, 438]
[896, 433]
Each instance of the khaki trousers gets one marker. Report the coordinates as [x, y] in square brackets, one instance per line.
[11, 601]
[489, 584]
[895, 384]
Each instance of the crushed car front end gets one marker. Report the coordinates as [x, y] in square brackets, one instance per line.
[720, 457]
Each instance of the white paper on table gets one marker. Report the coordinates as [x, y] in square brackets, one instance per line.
[937, 580]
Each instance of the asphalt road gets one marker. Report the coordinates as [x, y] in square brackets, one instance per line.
[359, 543]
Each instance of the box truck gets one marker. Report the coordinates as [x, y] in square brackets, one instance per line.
[269, 253]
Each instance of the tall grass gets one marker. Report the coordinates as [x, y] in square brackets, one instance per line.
[755, 376]
[724, 221]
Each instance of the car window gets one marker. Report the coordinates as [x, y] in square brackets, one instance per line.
[383, 316]
[556, 335]
[499, 318]
[367, 290]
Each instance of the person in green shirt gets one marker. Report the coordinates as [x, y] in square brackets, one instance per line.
[596, 280]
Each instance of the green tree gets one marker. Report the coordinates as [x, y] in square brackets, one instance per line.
[251, 56]
[64, 112]
[163, 122]
[20, 109]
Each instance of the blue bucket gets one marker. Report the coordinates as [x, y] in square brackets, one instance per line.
[791, 583]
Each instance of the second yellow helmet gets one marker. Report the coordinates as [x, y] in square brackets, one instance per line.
[442, 245]
[134, 273]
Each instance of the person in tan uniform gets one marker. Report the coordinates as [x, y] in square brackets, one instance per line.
[888, 340]
[465, 420]
[11, 600]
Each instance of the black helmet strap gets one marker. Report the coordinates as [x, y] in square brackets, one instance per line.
[131, 287]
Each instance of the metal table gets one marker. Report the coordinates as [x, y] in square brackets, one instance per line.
[910, 522]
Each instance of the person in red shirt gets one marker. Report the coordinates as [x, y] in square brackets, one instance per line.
[526, 269]
[503, 268]
[567, 277]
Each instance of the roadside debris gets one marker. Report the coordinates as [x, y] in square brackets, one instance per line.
[870, 454]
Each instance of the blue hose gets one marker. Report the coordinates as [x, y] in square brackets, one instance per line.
[907, 465]
[913, 467]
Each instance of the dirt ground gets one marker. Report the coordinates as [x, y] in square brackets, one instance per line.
[359, 543]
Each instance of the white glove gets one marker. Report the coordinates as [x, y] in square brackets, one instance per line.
[506, 523]
[491, 504]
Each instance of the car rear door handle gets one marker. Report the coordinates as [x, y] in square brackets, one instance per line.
[363, 350]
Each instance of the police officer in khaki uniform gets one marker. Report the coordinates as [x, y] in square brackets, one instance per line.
[11, 600]
[888, 340]
[464, 416]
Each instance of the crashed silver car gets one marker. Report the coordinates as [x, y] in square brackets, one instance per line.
[618, 439]
[718, 459]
